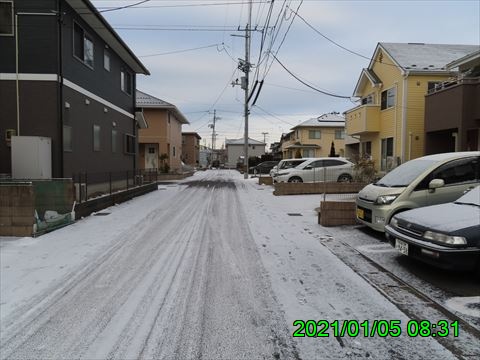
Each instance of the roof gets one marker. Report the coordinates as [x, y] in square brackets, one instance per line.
[468, 60]
[146, 101]
[420, 57]
[192, 134]
[325, 120]
[366, 75]
[87, 11]
[242, 142]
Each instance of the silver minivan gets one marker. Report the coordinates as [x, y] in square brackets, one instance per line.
[429, 180]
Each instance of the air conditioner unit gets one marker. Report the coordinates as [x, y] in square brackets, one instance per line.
[80, 192]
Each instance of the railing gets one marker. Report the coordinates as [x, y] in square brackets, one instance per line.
[93, 185]
[453, 82]
[363, 119]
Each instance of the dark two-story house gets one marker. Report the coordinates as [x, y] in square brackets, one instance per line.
[65, 74]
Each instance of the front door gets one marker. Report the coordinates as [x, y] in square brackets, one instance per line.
[151, 156]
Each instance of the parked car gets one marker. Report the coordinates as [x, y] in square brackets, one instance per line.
[286, 164]
[446, 235]
[262, 168]
[429, 180]
[318, 169]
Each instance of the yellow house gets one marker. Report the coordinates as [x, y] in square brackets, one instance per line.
[160, 143]
[389, 120]
[314, 137]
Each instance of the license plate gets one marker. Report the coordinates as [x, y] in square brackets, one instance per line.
[401, 246]
[360, 213]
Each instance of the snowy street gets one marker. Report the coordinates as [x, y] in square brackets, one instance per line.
[212, 267]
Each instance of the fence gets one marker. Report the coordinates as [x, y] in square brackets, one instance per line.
[93, 185]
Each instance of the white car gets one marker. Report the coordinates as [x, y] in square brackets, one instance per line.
[286, 164]
[318, 169]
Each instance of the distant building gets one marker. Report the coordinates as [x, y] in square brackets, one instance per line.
[235, 150]
[191, 148]
[314, 137]
[163, 136]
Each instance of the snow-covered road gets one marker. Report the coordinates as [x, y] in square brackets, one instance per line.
[211, 268]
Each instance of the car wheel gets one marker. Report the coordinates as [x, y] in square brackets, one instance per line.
[295, 179]
[345, 178]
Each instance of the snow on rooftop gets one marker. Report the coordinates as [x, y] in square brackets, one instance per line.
[426, 57]
[325, 120]
[241, 142]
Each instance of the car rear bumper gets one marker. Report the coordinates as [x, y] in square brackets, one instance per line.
[434, 254]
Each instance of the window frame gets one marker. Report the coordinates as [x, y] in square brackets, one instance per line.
[342, 134]
[385, 102]
[126, 144]
[314, 137]
[12, 19]
[85, 37]
[114, 138]
[97, 144]
[69, 148]
[106, 55]
[126, 86]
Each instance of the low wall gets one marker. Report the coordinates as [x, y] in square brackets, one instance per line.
[94, 205]
[335, 213]
[286, 188]
[19, 200]
[165, 177]
[265, 180]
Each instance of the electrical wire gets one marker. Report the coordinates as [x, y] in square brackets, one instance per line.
[180, 51]
[308, 85]
[124, 7]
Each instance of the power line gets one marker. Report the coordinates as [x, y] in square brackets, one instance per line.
[124, 7]
[308, 85]
[180, 51]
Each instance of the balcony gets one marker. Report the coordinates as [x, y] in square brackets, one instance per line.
[363, 119]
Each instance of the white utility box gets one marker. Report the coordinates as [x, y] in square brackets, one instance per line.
[31, 157]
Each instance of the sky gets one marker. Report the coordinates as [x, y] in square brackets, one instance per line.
[192, 50]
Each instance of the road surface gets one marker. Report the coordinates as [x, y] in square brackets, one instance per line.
[187, 282]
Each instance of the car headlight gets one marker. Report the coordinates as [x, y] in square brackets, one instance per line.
[394, 222]
[385, 199]
[447, 239]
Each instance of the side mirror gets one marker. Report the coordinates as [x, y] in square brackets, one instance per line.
[435, 184]
[308, 167]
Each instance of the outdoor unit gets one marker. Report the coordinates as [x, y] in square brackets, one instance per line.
[31, 157]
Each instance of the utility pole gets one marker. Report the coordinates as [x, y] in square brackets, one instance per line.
[264, 137]
[212, 126]
[246, 70]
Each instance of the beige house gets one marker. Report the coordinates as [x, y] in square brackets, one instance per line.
[160, 143]
[191, 148]
[314, 137]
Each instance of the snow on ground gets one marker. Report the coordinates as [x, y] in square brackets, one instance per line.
[308, 281]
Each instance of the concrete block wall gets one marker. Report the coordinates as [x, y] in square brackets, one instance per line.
[265, 180]
[317, 188]
[335, 213]
[17, 209]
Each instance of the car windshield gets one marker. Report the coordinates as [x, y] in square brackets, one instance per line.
[470, 198]
[404, 174]
[290, 164]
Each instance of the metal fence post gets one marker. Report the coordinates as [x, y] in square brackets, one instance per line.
[127, 179]
[86, 186]
[110, 181]
[324, 183]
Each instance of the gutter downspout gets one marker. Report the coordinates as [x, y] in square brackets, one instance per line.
[60, 83]
[404, 117]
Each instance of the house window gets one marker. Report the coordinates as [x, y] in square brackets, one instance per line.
[314, 134]
[174, 151]
[308, 153]
[114, 140]
[6, 18]
[67, 138]
[366, 149]
[126, 82]
[96, 137]
[388, 99]
[369, 99]
[129, 145]
[339, 134]
[387, 154]
[106, 60]
[82, 45]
